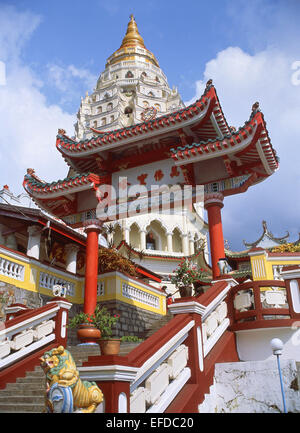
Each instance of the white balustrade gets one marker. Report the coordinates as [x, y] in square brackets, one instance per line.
[100, 288]
[11, 269]
[138, 401]
[155, 390]
[214, 326]
[47, 281]
[23, 339]
[43, 329]
[274, 299]
[177, 361]
[4, 349]
[139, 295]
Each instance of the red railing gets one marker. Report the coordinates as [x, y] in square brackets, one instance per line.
[121, 378]
[261, 304]
[28, 334]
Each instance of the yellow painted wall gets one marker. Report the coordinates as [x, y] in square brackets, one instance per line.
[262, 266]
[112, 284]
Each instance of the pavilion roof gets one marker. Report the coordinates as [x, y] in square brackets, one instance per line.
[269, 235]
[250, 144]
[195, 117]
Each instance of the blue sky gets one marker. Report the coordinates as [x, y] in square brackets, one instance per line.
[54, 51]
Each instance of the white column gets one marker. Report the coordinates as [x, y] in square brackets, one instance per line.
[126, 234]
[185, 244]
[71, 258]
[34, 241]
[191, 244]
[170, 241]
[143, 239]
[184, 236]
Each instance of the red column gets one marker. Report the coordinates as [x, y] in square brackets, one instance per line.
[92, 228]
[213, 203]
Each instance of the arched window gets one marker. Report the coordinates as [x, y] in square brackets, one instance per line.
[112, 118]
[150, 242]
[151, 94]
[103, 121]
[95, 124]
[129, 74]
[99, 109]
[128, 111]
[109, 106]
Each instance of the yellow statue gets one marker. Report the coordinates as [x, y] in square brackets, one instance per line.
[66, 392]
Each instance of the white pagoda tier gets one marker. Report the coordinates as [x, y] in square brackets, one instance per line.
[131, 89]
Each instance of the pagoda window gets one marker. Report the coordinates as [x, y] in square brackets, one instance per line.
[109, 106]
[128, 111]
[150, 242]
[129, 74]
[103, 121]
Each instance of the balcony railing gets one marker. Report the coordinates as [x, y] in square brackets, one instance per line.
[261, 304]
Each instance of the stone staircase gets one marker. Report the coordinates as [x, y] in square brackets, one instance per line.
[27, 393]
[158, 324]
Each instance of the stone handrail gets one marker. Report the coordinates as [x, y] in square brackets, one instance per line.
[170, 362]
[11, 269]
[28, 333]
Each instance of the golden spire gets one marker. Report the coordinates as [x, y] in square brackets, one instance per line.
[132, 37]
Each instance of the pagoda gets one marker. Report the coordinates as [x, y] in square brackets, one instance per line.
[134, 132]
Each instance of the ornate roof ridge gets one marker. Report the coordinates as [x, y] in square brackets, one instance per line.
[139, 128]
[269, 234]
[234, 132]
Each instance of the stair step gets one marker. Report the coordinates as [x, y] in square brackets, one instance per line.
[27, 391]
[23, 407]
[20, 399]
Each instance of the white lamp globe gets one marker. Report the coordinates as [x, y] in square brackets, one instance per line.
[277, 346]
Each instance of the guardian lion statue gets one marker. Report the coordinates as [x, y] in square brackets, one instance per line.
[66, 392]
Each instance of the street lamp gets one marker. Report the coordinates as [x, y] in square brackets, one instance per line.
[277, 346]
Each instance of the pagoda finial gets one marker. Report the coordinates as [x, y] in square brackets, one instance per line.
[132, 37]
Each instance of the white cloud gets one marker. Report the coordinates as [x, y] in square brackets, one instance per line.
[67, 79]
[28, 123]
[240, 80]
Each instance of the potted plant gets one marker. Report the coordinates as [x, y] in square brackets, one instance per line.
[185, 275]
[87, 332]
[102, 322]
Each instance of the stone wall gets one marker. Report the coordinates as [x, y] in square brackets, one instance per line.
[253, 387]
[10, 294]
[133, 320]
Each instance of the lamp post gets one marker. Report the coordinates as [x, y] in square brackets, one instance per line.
[277, 346]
